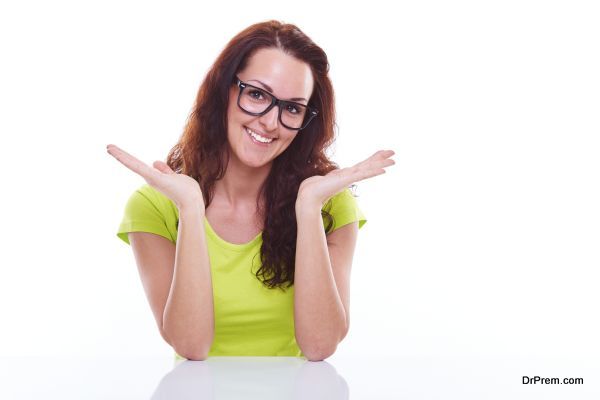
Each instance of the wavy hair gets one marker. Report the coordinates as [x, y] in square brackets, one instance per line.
[201, 151]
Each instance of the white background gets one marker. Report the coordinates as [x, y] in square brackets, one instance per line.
[481, 240]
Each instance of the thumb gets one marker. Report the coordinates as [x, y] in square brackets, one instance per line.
[162, 167]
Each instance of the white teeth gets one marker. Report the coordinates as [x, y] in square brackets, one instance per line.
[256, 136]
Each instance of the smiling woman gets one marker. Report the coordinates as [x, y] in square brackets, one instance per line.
[244, 238]
[257, 132]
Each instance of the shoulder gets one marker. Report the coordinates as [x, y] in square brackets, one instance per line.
[148, 196]
[148, 210]
[344, 209]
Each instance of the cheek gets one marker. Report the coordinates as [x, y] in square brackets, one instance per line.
[291, 136]
[234, 114]
[286, 141]
[239, 118]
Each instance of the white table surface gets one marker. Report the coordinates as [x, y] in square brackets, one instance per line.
[268, 378]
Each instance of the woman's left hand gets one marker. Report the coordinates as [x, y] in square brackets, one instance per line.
[316, 190]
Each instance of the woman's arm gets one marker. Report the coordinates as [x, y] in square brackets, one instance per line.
[188, 319]
[321, 283]
[322, 274]
[155, 259]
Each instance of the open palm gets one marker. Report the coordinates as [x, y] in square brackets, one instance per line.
[181, 189]
[318, 189]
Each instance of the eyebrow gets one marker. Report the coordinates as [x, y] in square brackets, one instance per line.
[271, 90]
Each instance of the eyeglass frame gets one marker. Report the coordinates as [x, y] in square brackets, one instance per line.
[312, 112]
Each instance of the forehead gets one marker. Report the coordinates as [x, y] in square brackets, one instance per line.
[286, 75]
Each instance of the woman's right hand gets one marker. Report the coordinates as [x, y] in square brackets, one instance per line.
[183, 190]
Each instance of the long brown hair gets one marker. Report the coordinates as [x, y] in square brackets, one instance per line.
[201, 152]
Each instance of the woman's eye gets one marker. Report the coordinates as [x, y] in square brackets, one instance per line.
[255, 94]
[293, 109]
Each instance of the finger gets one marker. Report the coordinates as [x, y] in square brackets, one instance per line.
[357, 173]
[368, 170]
[382, 154]
[363, 169]
[388, 162]
[378, 155]
[131, 162]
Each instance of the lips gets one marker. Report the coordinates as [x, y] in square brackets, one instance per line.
[260, 134]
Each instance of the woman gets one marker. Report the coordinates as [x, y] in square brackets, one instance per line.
[250, 177]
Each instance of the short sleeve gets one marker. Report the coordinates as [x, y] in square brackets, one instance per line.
[344, 209]
[148, 210]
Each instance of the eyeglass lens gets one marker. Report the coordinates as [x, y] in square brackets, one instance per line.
[256, 101]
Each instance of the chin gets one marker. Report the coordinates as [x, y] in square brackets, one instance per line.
[258, 164]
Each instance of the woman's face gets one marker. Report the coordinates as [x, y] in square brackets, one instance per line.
[286, 78]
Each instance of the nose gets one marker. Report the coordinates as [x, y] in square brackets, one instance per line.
[269, 120]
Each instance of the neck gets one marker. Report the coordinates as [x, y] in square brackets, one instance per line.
[239, 187]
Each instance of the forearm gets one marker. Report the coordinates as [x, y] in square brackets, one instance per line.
[319, 316]
[188, 319]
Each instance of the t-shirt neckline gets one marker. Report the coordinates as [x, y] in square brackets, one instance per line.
[231, 246]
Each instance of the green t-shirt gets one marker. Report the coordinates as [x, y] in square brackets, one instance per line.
[250, 319]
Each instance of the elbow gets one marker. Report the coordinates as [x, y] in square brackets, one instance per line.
[317, 351]
[192, 346]
[194, 350]
[192, 353]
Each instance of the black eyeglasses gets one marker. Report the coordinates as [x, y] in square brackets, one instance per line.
[256, 101]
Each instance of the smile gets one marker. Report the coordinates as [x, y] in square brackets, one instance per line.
[258, 139]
